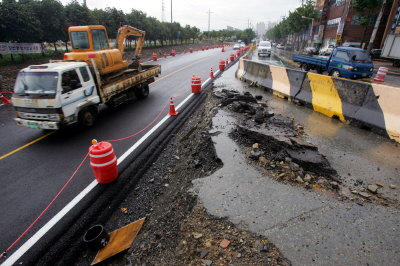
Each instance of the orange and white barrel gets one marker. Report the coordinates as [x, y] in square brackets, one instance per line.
[196, 84]
[103, 162]
[381, 74]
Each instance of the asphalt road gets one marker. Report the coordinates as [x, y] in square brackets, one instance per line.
[34, 165]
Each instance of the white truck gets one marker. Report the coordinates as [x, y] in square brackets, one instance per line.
[391, 49]
[61, 93]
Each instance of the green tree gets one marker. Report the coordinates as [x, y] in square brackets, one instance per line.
[77, 14]
[52, 18]
[18, 22]
[367, 11]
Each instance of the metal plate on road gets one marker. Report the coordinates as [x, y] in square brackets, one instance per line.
[120, 240]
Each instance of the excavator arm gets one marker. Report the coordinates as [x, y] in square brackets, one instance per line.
[130, 31]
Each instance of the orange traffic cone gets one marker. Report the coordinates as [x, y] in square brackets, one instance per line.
[172, 111]
[226, 62]
[211, 74]
[223, 49]
[4, 100]
[165, 55]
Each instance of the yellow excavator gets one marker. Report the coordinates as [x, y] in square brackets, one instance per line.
[91, 42]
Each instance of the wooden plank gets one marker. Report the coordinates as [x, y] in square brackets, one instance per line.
[120, 240]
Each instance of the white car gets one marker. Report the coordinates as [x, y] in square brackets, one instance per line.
[236, 46]
[264, 48]
[242, 45]
[327, 50]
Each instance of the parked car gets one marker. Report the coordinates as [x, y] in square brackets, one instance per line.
[264, 48]
[310, 50]
[236, 46]
[242, 45]
[375, 53]
[280, 46]
[327, 50]
[347, 62]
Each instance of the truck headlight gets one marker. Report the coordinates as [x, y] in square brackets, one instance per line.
[53, 117]
[347, 67]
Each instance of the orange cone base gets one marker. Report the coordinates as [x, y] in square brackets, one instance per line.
[172, 111]
[4, 100]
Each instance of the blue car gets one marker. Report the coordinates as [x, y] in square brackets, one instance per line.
[347, 62]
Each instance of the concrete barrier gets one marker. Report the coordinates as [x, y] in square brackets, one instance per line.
[381, 110]
[360, 103]
[325, 97]
[284, 82]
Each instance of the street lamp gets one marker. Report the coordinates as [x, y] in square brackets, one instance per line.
[312, 23]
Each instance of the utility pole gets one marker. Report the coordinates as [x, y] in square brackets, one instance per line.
[378, 21]
[171, 11]
[162, 11]
[209, 15]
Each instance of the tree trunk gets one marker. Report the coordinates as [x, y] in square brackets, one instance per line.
[378, 21]
[55, 47]
[66, 46]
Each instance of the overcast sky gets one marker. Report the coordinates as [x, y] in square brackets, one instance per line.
[235, 13]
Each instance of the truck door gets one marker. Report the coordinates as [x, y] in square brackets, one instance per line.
[73, 91]
[339, 59]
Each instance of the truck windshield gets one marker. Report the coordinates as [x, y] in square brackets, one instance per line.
[360, 56]
[265, 44]
[80, 40]
[36, 83]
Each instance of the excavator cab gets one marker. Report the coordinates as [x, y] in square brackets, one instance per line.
[88, 38]
[92, 42]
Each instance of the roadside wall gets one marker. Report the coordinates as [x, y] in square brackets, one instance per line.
[370, 105]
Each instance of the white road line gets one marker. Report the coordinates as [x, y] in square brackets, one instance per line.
[53, 221]
[36, 237]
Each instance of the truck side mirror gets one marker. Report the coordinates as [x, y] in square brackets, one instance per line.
[353, 57]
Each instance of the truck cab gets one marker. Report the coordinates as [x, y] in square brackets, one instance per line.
[49, 95]
[350, 62]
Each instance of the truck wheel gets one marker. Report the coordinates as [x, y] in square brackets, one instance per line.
[142, 91]
[396, 63]
[87, 117]
[335, 73]
[305, 67]
[319, 70]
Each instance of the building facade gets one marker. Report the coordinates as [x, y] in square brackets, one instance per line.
[340, 23]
